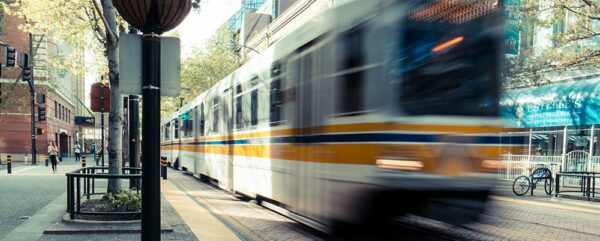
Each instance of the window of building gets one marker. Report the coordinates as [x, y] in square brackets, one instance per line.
[55, 109]
[351, 96]
[41, 98]
[215, 111]
[528, 35]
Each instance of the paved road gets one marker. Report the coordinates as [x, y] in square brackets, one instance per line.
[508, 217]
[27, 190]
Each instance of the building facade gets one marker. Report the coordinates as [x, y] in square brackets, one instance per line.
[57, 91]
[260, 23]
[558, 117]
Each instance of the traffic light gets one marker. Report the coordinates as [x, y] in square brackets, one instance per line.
[10, 55]
[41, 113]
[27, 74]
[41, 131]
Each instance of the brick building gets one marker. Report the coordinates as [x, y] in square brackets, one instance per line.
[59, 93]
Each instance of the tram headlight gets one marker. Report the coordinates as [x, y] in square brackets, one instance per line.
[492, 164]
[403, 165]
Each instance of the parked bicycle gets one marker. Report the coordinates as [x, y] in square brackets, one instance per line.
[522, 184]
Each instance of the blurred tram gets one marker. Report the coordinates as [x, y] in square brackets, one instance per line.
[371, 110]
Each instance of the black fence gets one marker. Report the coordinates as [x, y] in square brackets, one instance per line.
[577, 184]
[87, 176]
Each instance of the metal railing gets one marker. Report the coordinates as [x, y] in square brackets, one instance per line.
[585, 189]
[519, 165]
[87, 176]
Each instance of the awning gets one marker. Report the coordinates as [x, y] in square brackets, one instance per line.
[563, 104]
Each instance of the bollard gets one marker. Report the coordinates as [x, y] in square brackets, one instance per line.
[46, 160]
[83, 161]
[163, 163]
[9, 164]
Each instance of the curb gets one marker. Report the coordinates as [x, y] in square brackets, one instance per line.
[67, 226]
[67, 219]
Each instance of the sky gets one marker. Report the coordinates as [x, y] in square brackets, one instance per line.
[200, 26]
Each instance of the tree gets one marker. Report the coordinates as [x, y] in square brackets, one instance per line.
[573, 34]
[204, 68]
[84, 24]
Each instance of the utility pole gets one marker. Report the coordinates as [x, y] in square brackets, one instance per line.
[28, 68]
[134, 138]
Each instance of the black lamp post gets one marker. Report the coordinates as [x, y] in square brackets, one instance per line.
[152, 17]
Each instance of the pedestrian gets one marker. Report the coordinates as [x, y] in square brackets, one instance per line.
[94, 152]
[77, 152]
[53, 153]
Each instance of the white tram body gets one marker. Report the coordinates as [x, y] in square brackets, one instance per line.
[322, 123]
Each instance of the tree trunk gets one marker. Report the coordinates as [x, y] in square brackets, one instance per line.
[115, 118]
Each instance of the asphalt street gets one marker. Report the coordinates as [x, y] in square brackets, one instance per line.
[27, 190]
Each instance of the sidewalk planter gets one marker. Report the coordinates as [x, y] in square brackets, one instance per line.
[82, 183]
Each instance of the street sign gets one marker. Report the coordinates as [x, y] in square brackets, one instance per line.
[85, 121]
[130, 65]
[512, 34]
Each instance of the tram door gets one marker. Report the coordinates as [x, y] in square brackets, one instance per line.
[228, 119]
[304, 119]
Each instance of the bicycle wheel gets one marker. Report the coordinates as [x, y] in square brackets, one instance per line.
[521, 185]
[548, 187]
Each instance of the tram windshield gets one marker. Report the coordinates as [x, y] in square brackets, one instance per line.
[450, 59]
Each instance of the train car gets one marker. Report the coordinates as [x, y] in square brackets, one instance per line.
[371, 110]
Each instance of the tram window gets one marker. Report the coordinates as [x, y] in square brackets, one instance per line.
[276, 102]
[254, 107]
[202, 120]
[351, 96]
[276, 70]
[239, 119]
[459, 79]
[254, 81]
[167, 131]
[188, 125]
[215, 112]
[176, 128]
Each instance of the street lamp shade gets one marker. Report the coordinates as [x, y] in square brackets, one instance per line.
[153, 16]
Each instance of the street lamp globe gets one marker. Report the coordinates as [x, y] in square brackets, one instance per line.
[153, 16]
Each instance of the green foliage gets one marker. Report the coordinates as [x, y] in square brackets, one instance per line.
[122, 201]
[204, 68]
[572, 28]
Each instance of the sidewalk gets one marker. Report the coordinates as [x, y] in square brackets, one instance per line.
[503, 193]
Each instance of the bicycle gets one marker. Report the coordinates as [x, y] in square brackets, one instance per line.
[522, 184]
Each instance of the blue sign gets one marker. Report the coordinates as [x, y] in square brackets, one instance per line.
[570, 103]
[511, 41]
[85, 121]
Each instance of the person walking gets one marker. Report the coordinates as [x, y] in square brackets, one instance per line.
[53, 153]
[77, 151]
[94, 152]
